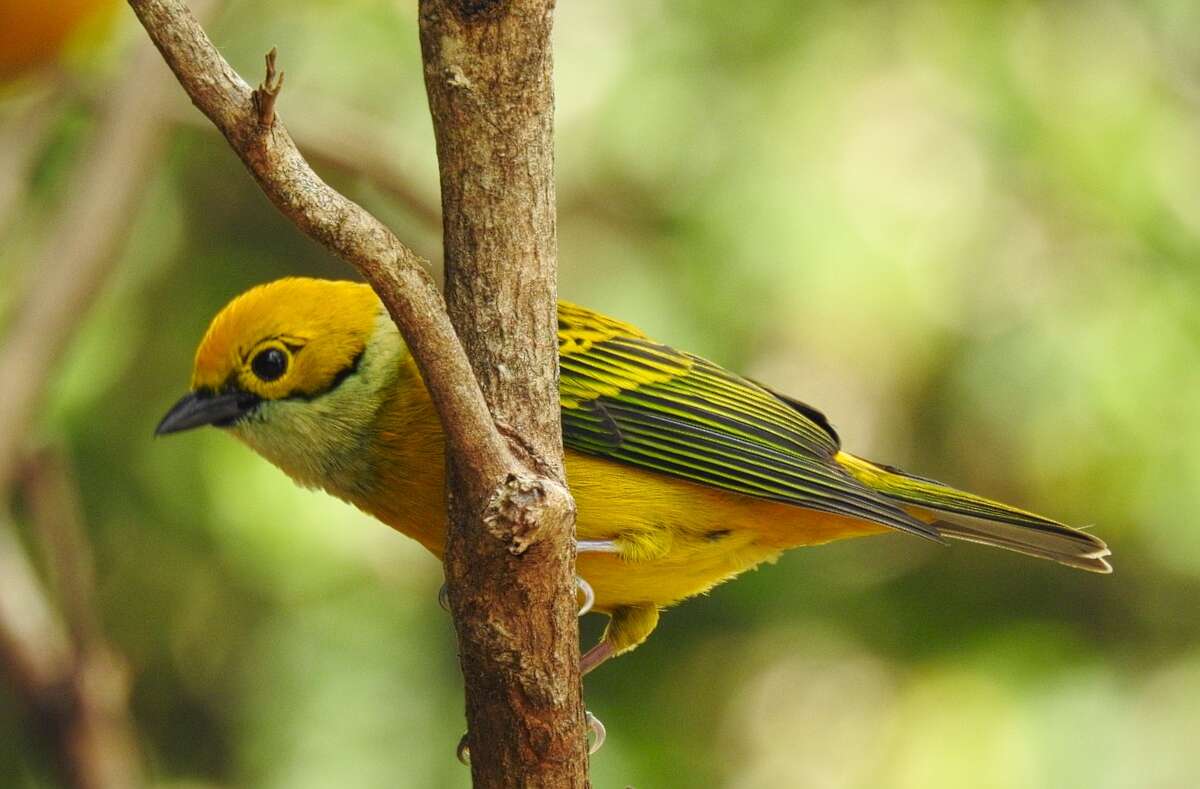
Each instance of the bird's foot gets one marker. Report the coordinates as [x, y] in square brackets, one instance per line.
[589, 595]
[599, 733]
[462, 750]
[585, 589]
[594, 724]
[597, 546]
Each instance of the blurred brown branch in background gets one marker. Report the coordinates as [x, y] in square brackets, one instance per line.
[22, 138]
[73, 683]
[81, 248]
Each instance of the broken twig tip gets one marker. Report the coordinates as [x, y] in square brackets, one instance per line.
[268, 90]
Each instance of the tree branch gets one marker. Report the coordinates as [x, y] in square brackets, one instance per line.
[523, 693]
[488, 77]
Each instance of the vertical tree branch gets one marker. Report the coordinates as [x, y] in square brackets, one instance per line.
[488, 70]
[510, 546]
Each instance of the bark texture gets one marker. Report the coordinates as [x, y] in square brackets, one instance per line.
[509, 555]
[488, 71]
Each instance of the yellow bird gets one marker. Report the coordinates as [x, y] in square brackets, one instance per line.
[684, 473]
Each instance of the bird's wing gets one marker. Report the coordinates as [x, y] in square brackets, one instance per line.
[628, 398]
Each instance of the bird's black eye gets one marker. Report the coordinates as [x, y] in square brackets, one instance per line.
[269, 364]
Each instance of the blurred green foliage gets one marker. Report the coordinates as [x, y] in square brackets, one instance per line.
[970, 231]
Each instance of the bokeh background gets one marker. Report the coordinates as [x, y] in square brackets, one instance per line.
[969, 231]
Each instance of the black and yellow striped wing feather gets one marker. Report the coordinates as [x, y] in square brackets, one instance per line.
[633, 400]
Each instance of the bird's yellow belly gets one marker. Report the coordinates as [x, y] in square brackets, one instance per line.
[680, 538]
[677, 538]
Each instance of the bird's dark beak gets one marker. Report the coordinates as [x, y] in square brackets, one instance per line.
[204, 408]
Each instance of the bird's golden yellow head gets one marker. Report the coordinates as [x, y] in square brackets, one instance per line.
[299, 369]
[294, 338]
[289, 338]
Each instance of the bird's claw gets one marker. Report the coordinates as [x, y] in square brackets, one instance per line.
[595, 726]
[463, 751]
[589, 596]
[598, 731]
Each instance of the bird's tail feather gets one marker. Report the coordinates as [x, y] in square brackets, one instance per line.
[965, 516]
